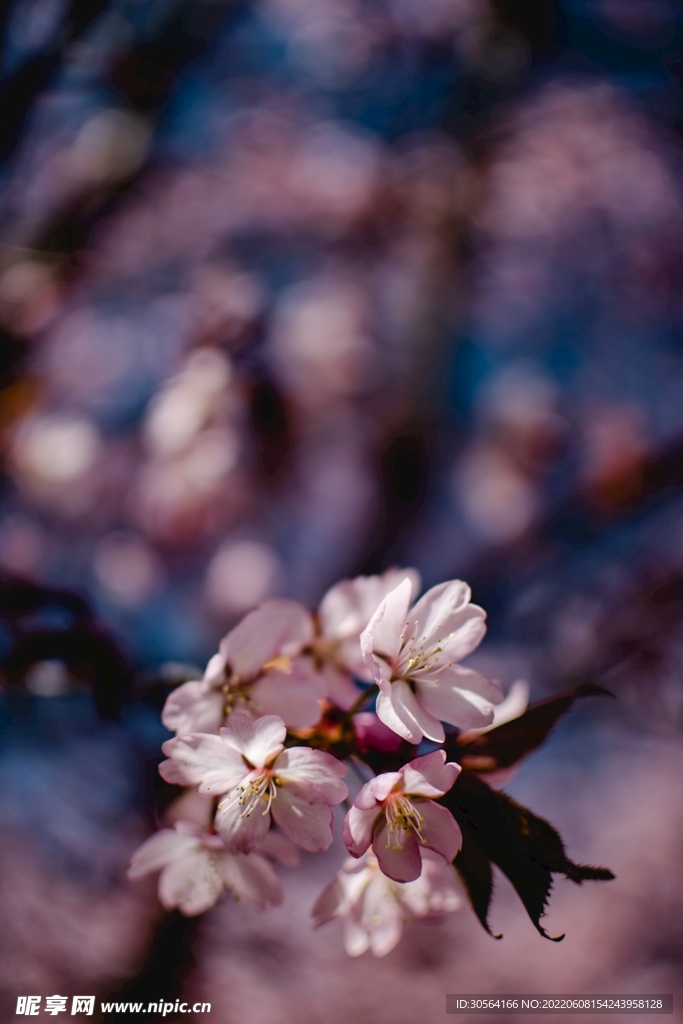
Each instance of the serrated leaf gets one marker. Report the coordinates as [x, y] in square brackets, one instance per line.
[526, 848]
[509, 743]
[474, 869]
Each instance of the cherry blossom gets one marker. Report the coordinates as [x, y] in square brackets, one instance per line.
[395, 813]
[256, 669]
[374, 908]
[344, 612]
[196, 869]
[248, 765]
[413, 655]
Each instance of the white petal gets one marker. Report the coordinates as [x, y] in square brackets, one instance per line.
[513, 706]
[400, 711]
[434, 613]
[429, 776]
[278, 627]
[316, 768]
[305, 820]
[251, 877]
[259, 742]
[159, 850]
[461, 707]
[215, 670]
[381, 917]
[385, 630]
[192, 884]
[241, 832]
[356, 939]
[193, 707]
[203, 760]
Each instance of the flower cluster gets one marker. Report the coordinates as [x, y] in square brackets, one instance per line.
[264, 735]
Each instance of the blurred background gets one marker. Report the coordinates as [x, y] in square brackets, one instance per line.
[292, 290]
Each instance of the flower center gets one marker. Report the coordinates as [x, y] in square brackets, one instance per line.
[413, 658]
[262, 785]
[402, 818]
[235, 696]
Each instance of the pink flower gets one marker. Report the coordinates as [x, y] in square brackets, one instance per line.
[413, 656]
[344, 612]
[248, 765]
[196, 869]
[374, 908]
[256, 669]
[395, 814]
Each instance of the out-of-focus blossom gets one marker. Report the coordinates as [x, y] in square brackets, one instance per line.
[255, 669]
[240, 575]
[56, 448]
[248, 766]
[413, 656]
[374, 908]
[224, 301]
[499, 500]
[22, 545]
[29, 296]
[196, 869]
[344, 612]
[127, 568]
[317, 374]
[183, 407]
[395, 814]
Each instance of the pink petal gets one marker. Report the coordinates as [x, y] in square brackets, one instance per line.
[203, 760]
[194, 831]
[281, 848]
[193, 707]
[158, 851]
[357, 829]
[400, 711]
[429, 775]
[440, 830]
[452, 704]
[295, 700]
[384, 631]
[378, 788]
[251, 877]
[241, 832]
[347, 608]
[340, 689]
[402, 865]
[304, 820]
[315, 768]
[278, 627]
[259, 742]
[328, 904]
